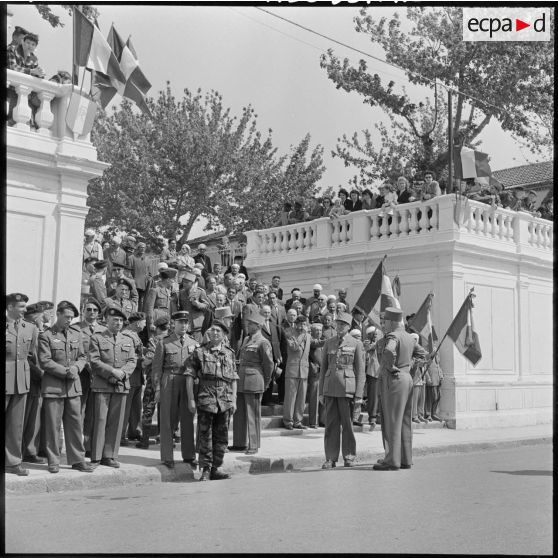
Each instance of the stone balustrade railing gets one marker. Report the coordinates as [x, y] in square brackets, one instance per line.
[51, 114]
[421, 220]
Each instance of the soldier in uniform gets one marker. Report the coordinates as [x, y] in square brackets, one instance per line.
[341, 386]
[120, 273]
[433, 379]
[62, 358]
[113, 360]
[121, 298]
[159, 299]
[213, 364]
[254, 371]
[21, 354]
[192, 299]
[169, 381]
[132, 414]
[372, 372]
[396, 392]
[148, 401]
[97, 283]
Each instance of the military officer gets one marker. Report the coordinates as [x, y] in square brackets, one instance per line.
[225, 316]
[159, 299]
[62, 357]
[113, 360]
[121, 298]
[97, 283]
[213, 364]
[21, 354]
[148, 401]
[254, 371]
[169, 381]
[192, 299]
[120, 272]
[396, 391]
[341, 385]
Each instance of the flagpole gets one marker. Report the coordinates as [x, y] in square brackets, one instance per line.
[450, 142]
[74, 82]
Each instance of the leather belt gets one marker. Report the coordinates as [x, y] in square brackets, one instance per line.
[214, 382]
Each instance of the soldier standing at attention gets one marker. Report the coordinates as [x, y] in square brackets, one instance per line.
[21, 354]
[214, 365]
[113, 360]
[159, 298]
[254, 372]
[62, 357]
[396, 392]
[341, 383]
[169, 381]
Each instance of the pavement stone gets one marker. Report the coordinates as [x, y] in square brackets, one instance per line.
[278, 453]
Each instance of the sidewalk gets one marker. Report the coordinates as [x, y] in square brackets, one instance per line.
[278, 453]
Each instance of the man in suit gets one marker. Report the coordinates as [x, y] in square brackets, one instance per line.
[252, 308]
[62, 358]
[341, 385]
[342, 297]
[21, 354]
[275, 282]
[97, 283]
[396, 392]
[274, 334]
[254, 371]
[115, 254]
[159, 299]
[296, 374]
[204, 259]
[317, 310]
[236, 309]
[295, 295]
[113, 360]
[315, 359]
[141, 272]
[169, 381]
[278, 313]
[193, 300]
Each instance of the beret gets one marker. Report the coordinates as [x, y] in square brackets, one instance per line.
[224, 312]
[95, 302]
[115, 312]
[35, 308]
[46, 304]
[344, 317]
[162, 322]
[393, 314]
[221, 325]
[124, 281]
[189, 277]
[256, 319]
[20, 30]
[181, 315]
[168, 273]
[16, 297]
[101, 264]
[67, 305]
[136, 317]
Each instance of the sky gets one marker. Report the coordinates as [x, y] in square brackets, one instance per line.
[253, 58]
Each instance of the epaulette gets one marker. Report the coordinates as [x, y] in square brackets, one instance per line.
[75, 327]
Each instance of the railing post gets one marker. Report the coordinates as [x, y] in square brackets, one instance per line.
[521, 232]
[323, 233]
[360, 227]
[22, 110]
[44, 117]
[446, 211]
[252, 244]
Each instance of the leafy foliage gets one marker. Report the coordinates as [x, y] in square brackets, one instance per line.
[46, 12]
[194, 159]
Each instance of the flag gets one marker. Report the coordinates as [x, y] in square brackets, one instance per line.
[422, 324]
[474, 164]
[463, 334]
[91, 49]
[80, 115]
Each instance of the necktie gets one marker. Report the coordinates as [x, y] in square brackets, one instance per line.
[182, 341]
[16, 325]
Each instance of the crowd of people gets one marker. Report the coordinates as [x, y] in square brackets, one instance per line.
[194, 339]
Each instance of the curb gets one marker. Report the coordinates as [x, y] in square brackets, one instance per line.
[140, 475]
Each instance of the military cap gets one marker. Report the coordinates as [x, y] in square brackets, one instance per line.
[46, 304]
[67, 305]
[20, 30]
[168, 273]
[393, 314]
[181, 315]
[189, 277]
[136, 317]
[35, 308]
[256, 319]
[124, 281]
[344, 317]
[301, 319]
[93, 301]
[162, 265]
[32, 37]
[224, 312]
[220, 324]
[162, 322]
[101, 264]
[89, 232]
[14, 298]
[90, 259]
[202, 247]
[114, 312]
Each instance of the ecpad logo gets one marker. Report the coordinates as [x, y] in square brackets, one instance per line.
[506, 24]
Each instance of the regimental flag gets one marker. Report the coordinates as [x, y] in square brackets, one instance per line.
[474, 164]
[80, 115]
[422, 324]
[462, 332]
[92, 51]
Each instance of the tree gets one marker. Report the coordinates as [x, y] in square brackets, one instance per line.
[194, 159]
[46, 12]
[506, 81]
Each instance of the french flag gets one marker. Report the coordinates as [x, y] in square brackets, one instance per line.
[473, 164]
[422, 323]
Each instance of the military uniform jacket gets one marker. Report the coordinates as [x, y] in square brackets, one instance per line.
[398, 352]
[170, 356]
[98, 289]
[215, 367]
[298, 351]
[21, 356]
[58, 351]
[158, 302]
[136, 379]
[35, 371]
[255, 364]
[150, 352]
[342, 370]
[125, 305]
[196, 304]
[107, 353]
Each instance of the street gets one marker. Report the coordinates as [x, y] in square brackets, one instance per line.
[491, 502]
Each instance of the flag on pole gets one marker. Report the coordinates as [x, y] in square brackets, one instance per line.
[462, 332]
[80, 115]
[422, 323]
[474, 164]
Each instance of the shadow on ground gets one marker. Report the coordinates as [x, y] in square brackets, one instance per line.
[527, 472]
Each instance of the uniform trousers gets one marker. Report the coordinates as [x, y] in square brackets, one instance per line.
[148, 405]
[107, 425]
[14, 417]
[174, 409]
[418, 401]
[313, 399]
[65, 410]
[295, 399]
[247, 420]
[281, 388]
[213, 437]
[132, 413]
[432, 401]
[396, 398]
[372, 398]
[88, 418]
[339, 428]
[32, 425]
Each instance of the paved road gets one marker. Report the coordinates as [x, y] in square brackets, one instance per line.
[491, 502]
